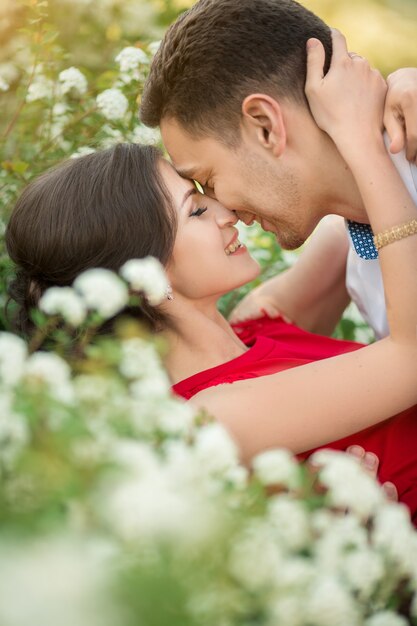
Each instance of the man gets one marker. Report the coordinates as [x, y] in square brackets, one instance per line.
[227, 89]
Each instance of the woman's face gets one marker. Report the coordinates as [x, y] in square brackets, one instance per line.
[207, 258]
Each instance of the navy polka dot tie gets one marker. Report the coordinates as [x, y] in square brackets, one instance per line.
[363, 240]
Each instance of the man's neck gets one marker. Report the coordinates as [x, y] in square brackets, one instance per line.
[343, 195]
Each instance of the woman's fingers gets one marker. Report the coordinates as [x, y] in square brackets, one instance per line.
[315, 63]
[253, 307]
[400, 114]
[340, 50]
[390, 491]
[394, 126]
[347, 103]
[368, 460]
[370, 463]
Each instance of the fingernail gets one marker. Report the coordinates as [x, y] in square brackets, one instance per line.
[370, 460]
[390, 491]
[356, 451]
[312, 43]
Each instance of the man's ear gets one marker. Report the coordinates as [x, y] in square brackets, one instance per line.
[262, 119]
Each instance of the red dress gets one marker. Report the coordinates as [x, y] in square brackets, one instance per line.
[275, 346]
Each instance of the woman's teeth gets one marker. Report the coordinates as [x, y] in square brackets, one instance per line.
[233, 247]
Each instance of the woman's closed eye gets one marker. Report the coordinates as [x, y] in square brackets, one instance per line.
[199, 211]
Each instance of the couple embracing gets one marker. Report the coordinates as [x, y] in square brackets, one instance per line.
[266, 141]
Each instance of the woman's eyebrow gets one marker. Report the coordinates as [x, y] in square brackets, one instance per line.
[187, 194]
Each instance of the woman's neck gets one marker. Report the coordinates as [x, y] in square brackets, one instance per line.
[202, 338]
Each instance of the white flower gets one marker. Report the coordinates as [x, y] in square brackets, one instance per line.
[153, 47]
[176, 416]
[287, 611]
[49, 369]
[93, 388]
[59, 109]
[255, 557]
[130, 58]
[215, 449]
[112, 103]
[111, 137]
[277, 467]
[14, 433]
[328, 603]
[237, 476]
[60, 580]
[73, 81]
[82, 151]
[135, 456]
[145, 135]
[40, 89]
[139, 359]
[295, 572]
[64, 301]
[153, 506]
[395, 537]
[103, 291]
[148, 276]
[4, 86]
[349, 486]
[13, 354]
[338, 536]
[154, 386]
[289, 520]
[9, 73]
[386, 618]
[363, 570]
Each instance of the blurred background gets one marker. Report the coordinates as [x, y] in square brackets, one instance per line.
[89, 30]
[47, 115]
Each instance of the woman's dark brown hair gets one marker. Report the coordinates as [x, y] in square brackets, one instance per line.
[99, 210]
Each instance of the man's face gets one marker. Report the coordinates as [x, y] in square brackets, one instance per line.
[248, 180]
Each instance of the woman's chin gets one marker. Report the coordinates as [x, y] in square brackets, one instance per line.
[252, 273]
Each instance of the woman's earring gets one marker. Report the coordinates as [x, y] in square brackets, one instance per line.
[169, 293]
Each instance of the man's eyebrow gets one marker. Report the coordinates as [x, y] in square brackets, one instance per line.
[188, 193]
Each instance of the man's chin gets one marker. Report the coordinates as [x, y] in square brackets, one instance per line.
[286, 239]
[289, 241]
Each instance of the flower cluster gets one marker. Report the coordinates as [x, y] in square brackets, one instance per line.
[166, 488]
[153, 497]
[73, 81]
[103, 292]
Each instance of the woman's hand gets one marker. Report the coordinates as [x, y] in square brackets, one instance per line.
[400, 115]
[256, 304]
[348, 102]
[370, 463]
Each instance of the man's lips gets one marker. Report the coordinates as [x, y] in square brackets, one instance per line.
[268, 226]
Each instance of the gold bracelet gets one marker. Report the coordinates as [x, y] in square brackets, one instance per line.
[395, 234]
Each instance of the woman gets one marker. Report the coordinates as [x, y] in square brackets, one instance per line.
[279, 386]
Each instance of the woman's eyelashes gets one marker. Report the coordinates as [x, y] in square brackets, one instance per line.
[199, 211]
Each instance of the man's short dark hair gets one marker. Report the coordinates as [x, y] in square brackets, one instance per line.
[220, 51]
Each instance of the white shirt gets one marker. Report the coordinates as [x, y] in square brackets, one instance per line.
[364, 278]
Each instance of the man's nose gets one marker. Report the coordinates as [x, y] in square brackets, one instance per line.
[246, 216]
[226, 217]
